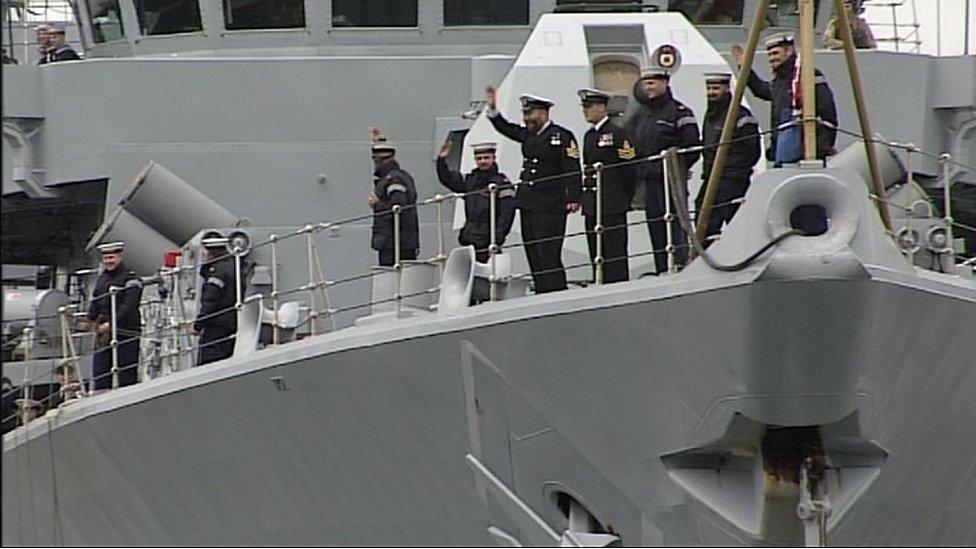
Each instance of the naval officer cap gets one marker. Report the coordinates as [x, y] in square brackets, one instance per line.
[655, 73]
[383, 147]
[213, 239]
[485, 147]
[779, 39]
[718, 78]
[111, 247]
[530, 102]
[591, 96]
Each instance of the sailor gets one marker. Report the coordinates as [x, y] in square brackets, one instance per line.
[128, 323]
[43, 37]
[860, 29]
[216, 320]
[744, 152]
[477, 203]
[660, 123]
[59, 50]
[550, 185]
[392, 186]
[607, 143]
[783, 93]
[29, 409]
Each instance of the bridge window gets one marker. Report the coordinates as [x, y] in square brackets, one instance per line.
[106, 20]
[264, 14]
[374, 13]
[786, 13]
[486, 12]
[168, 16]
[710, 12]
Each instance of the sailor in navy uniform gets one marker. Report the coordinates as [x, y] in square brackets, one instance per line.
[216, 320]
[392, 186]
[744, 152]
[59, 50]
[477, 204]
[607, 143]
[661, 122]
[549, 189]
[128, 323]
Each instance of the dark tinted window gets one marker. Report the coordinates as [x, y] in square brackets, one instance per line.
[786, 13]
[264, 14]
[168, 16]
[374, 13]
[486, 12]
[106, 20]
[710, 12]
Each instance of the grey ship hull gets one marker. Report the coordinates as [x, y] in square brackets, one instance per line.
[367, 444]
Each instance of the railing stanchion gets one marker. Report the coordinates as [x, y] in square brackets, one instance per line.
[113, 298]
[27, 389]
[493, 246]
[441, 256]
[598, 228]
[397, 267]
[274, 286]
[180, 325]
[69, 348]
[909, 207]
[668, 215]
[312, 311]
[945, 159]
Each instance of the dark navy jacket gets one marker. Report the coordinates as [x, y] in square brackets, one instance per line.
[126, 301]
[552, 155]
[779, 92]
[610, 145]
[744, 149]
[477, 205]
[661, 123]
[392, 186]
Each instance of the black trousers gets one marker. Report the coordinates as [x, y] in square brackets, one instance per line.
[128, 365]
[616, 268]
[545, 257]
[215, 344]
[654, 212]
[387, 256]
[729, 189]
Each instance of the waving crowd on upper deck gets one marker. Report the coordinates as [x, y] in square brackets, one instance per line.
[562, 175]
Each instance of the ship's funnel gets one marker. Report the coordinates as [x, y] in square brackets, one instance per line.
[144, 246]
[855, 158]
[171, 206]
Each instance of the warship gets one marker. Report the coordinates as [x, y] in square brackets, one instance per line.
[784, 388]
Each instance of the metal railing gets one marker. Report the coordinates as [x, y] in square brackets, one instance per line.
[175, 329]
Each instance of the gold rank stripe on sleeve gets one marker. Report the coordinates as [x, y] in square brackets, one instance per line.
[627, 151]
[572, 150]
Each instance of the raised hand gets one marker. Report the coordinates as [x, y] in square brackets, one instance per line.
[445, 149]
[738, 54]
[491, 97]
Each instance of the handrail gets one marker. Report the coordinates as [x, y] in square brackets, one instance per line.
[317, 281]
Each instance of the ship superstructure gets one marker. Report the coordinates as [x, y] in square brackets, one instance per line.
[767, 395]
